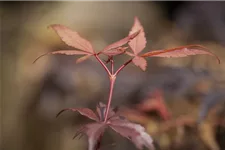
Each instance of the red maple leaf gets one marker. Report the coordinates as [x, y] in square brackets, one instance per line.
[134, 132]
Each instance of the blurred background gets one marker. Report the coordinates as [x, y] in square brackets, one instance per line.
[187, 113]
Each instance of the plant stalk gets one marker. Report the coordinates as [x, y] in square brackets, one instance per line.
[121, 68]
[103, 65]
[112, 82]
[112, 77]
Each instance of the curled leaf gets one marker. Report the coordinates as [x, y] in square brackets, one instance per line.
[140, 62]
[182, 51]
[65, 52]
[139, 42]
[72, 38]
[83, 111]
[116, 51]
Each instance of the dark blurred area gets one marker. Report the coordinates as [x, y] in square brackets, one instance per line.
[190, 114]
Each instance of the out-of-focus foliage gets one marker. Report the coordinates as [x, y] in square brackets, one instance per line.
[33, 94]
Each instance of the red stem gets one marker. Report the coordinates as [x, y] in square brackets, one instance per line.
[112, 78]
[121, 68]
[104, 66]
[112, 82]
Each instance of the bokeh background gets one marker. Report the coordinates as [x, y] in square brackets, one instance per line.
[192, 88]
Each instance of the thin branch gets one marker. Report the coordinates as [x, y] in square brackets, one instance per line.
[103, 65]
[112, 82]
[121, 68]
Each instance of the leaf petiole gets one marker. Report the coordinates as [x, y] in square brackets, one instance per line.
[103, 65]
[112, 82]
[121, 68]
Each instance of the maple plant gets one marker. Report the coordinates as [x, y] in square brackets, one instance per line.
[132, 45]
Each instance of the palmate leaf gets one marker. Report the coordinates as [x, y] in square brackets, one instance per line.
[182, 51]
[72, 38]
[83, 111]
[136, 133]
[65, 52]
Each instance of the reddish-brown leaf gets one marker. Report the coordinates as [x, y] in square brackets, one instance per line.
[135, 132]
[122, 41]
[139, 42]
[182, 51]
[65, 52]
[72, 38]
[140, 62]
[83, 111]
